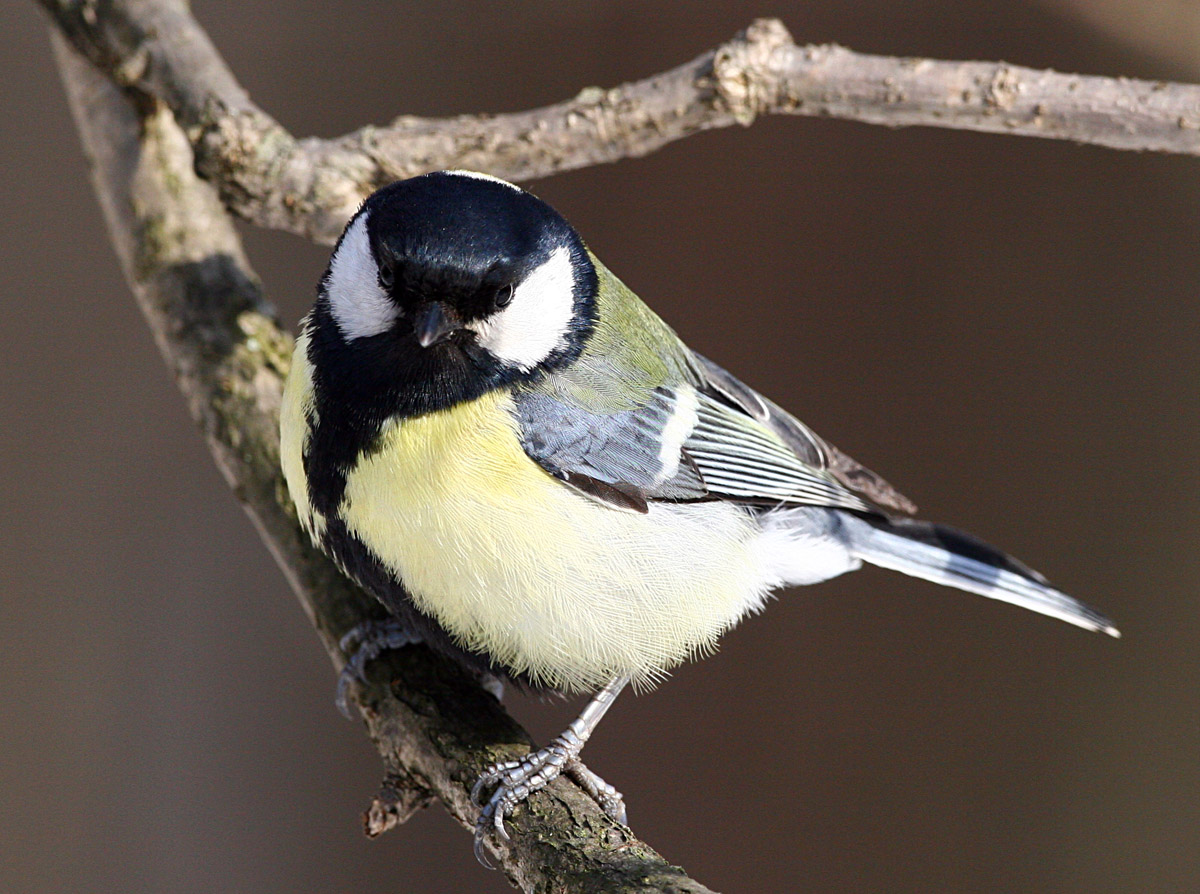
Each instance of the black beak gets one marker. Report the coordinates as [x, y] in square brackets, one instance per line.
[433, 322]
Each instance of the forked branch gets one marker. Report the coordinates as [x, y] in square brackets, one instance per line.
[311, 186]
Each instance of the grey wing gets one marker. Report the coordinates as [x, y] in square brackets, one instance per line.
[688, 441]
[808, 446]
[616, 457]
[739, 456]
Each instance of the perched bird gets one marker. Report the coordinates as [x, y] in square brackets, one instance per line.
[496, 438]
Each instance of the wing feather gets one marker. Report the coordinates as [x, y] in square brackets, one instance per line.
[640, 413]
[680, 445]
[803, 441]
[740, 456]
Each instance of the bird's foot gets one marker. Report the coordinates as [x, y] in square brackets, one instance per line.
[610, 800]
[363, 644]
[516, 780]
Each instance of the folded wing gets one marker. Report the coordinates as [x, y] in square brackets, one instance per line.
[707, 436]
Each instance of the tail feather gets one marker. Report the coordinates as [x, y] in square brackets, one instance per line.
[945, 556]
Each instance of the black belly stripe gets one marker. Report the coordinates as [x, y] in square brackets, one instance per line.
[360, 386]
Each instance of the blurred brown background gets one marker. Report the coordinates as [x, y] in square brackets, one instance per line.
[1005, 328]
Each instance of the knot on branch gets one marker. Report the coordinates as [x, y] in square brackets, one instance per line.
[241, 150]
[745, 71]
[1003, 88]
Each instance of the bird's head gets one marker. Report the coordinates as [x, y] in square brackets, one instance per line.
[456, 281]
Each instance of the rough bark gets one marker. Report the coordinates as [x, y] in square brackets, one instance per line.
[433, 726]
[311, 186]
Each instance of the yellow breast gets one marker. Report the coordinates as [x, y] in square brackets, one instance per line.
[294, 432]
[549, 582]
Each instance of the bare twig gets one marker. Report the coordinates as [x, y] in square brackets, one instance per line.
[434, 727]
[311, 186]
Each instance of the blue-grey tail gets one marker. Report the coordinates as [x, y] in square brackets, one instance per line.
[945, 556]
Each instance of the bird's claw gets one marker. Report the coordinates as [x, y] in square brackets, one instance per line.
[516, 780]
[611, 801]
[363, 644]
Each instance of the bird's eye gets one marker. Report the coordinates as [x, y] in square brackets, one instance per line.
[387, 275]
[504, 297]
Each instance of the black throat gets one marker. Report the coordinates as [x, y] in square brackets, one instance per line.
[361, 384]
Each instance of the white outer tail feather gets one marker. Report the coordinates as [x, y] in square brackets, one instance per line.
[880, 544]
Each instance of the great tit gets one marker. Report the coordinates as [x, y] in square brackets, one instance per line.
[490, 433]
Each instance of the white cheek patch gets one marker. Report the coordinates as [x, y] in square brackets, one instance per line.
[359, 305]
[535, 325]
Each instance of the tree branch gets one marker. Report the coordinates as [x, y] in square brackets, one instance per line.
[434, 727]
[312, 186]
